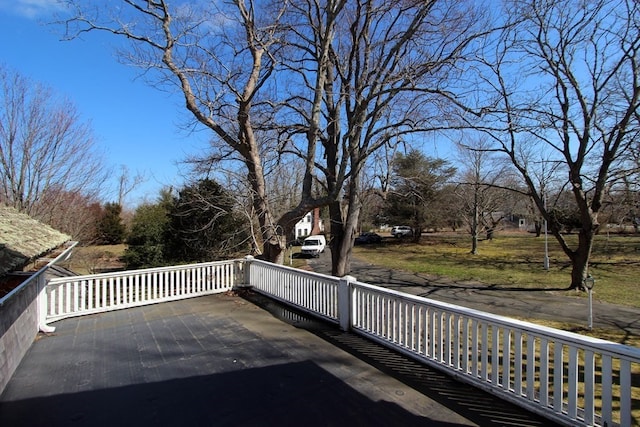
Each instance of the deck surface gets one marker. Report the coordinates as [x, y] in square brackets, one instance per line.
[229, 360]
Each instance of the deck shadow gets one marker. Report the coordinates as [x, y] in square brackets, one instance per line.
[474, 404]
[291, 394]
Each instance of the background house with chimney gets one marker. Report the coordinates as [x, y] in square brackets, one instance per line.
[311, 224]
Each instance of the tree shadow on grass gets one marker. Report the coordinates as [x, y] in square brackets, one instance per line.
[394, 278]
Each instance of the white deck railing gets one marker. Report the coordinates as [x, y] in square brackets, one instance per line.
[566, 377]
[314, 293]
[80, 295]
[569, 378]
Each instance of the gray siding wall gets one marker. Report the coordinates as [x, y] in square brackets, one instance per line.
[18, 329]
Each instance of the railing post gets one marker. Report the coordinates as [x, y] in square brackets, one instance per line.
[246, 271]
[41, 283]
[344, 302]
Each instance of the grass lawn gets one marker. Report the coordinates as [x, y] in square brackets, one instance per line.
[517, 259]
[96, 259]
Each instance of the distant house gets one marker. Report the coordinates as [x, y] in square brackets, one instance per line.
[310, 224]
[25, 245]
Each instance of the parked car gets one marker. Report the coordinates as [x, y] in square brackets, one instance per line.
[298, 241]
[313, 245]
[368, 238]
[401, 231]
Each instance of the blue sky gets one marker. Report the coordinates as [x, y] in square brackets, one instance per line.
[135, 125]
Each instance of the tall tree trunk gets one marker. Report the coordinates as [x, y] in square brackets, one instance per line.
[337, 238]
[474, 243]
[346, 226]
[580, 257]
[475, 224]
[538, 227]
[273, 243]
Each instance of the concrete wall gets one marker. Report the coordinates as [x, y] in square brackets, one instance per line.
[18, 328]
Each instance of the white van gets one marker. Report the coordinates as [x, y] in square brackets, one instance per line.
[314, 245]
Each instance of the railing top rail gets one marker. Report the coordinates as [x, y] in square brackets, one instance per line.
[619, 350]
[139, 271]
[298, 271]
[64, 255]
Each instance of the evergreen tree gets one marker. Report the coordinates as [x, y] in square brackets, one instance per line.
[111, 230]
[204, 225]
[416, 184]
[149, 230]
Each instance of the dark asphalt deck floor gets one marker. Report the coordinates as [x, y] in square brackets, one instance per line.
[228, 360]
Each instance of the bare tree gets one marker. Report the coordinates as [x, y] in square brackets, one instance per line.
[357, 74]
[564, 78]
[46, 152]
[127, 183]
[380, 74]
[220, 57]
[482, 189]
[71, 212]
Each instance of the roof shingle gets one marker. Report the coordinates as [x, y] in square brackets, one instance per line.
[23, 238]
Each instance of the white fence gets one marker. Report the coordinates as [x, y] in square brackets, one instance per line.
[311, 292]
[569, 378]
[80, 295]
[566, 377]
